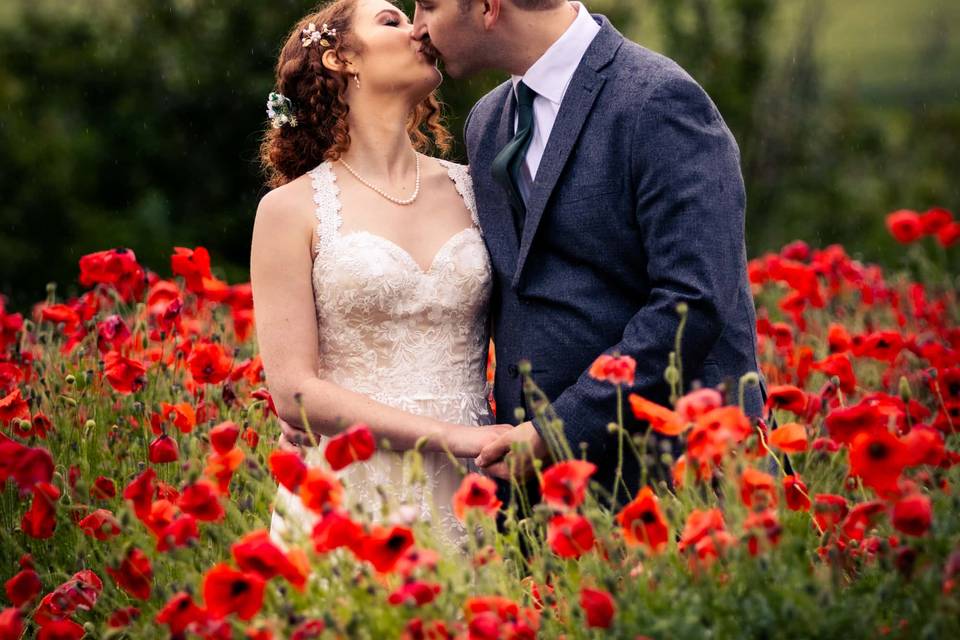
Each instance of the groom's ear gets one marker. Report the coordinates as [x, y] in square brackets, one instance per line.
[491, 13]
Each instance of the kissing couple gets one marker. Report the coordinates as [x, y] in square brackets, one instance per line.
[603, 190]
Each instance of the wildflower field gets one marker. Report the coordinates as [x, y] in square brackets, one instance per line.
[138, 465]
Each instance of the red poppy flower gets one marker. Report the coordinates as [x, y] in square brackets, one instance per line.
[904, 225]
[353, 445]
[209, 363]
[717, 432]
[384, 546]
[13, 406]
[763, 528]
[336, 529]
[220, 467]
[65, 629]
[255, 552]
[223, 436]
[11, 623]
[614, 369]
[862, 518]
[31, 466]
[61, 314]
[847, 423]
[570, 535]
[183, 415]
[795, 492]
[202, 501]
[948, 235]
[22, 588]
[115, 267]
[81, 591]
[41, 519]
[140, 491]
[227, 591]
[829, 510]
[838, 338]
[598, 607]
[103, 488]
[476, 492]
[934, 220]
[192, 264]
[878, 458]
[124, 374]
[757, 489]
[497, 617]
[313, 629]
[924, 445]
[643, 522]
[913, 515]
[661, 419]
[564, 485]
[123, 617]
[163, 449]
[698, 403]
[179, 612]
[789, 438]
[414, 593]
[839, 365]
[101, 524]
[134, 574]
[179, 532]
[288, 468]
[112, 333]
[880, 345]
[700, 525]
[787, 397]
[320, 489]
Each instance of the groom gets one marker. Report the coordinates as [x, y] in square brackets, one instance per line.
[609, 190]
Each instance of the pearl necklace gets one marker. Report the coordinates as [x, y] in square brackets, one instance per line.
[404, 202]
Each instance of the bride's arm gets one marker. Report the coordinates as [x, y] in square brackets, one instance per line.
[286, 324]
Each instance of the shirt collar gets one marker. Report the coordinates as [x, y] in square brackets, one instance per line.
[551, 74]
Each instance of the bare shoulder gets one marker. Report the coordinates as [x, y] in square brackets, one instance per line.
[291, 203]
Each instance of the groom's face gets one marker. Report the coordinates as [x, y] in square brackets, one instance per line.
[454, 30]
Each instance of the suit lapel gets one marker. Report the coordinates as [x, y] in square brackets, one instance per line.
[576, 106]
[497, 219]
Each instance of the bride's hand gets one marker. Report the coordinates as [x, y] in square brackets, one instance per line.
[467, 441]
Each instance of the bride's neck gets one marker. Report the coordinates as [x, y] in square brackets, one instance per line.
[379, 144]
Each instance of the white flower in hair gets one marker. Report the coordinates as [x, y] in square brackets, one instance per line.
[280, 110]
[312, 35]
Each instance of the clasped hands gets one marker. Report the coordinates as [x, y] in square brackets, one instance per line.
[489, 445]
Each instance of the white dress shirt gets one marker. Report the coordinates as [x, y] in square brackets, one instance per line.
[549, 77]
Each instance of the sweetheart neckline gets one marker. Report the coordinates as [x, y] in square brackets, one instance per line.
[406, 254]
[334, 194]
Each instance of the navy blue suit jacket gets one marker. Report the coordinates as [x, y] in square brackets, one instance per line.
[638, 204]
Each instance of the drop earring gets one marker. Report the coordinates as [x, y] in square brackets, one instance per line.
[356, 78]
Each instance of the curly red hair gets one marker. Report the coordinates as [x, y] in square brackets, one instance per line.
[319, 104]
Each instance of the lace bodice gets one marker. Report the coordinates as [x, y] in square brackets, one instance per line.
[385, 324]
[411, 338]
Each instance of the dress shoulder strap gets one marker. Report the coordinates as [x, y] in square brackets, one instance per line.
[326, 197]
[460, 174]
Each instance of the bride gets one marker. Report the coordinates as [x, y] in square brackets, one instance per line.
[370, 277]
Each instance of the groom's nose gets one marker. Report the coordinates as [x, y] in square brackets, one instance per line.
[419, 31]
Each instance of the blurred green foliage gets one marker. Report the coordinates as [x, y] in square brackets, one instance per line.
[136, 122]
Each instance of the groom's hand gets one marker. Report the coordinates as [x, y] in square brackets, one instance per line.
[497, 460]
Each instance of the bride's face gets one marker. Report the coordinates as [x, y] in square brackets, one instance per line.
[391, 60]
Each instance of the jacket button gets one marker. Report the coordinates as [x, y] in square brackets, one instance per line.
[513, 371]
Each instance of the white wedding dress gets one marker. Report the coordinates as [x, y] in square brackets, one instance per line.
[412, 339]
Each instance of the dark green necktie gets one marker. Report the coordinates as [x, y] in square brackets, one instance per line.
[506, 166]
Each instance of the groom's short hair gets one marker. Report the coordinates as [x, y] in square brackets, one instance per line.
[528, 5]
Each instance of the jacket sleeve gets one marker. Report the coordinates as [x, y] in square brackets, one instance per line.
[689, 199]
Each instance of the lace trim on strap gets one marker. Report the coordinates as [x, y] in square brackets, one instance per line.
[460, 174]
[326, 195]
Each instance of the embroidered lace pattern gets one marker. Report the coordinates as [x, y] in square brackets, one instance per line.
[410, 338]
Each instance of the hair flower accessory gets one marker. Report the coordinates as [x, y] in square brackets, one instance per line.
[312, 35]
[280, 110]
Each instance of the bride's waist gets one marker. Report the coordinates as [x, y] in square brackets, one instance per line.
[382, 385]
